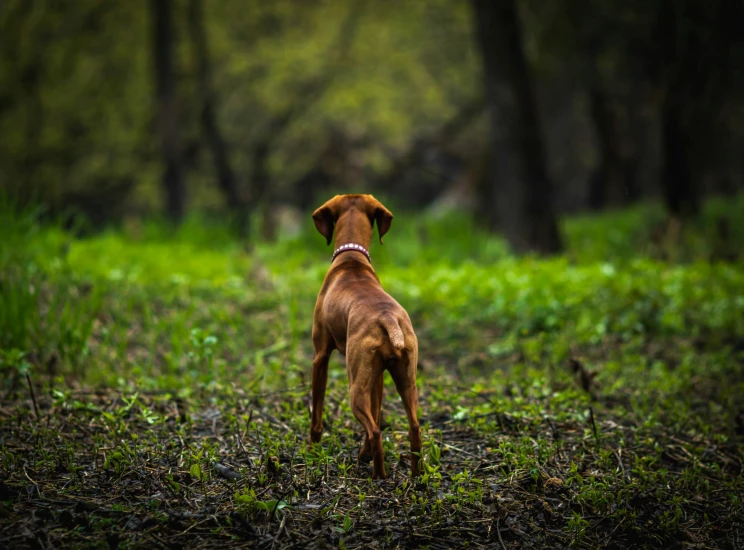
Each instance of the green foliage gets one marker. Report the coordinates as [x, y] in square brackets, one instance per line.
[47, 320]
[193, 305]
[78, 77]
[205, 350]
[57, 58]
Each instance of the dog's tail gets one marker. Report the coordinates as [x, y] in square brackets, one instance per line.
[390, 324]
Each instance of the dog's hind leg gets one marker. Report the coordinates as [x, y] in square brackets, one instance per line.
[320, 380]
[366, 453]
[360, 392]
[404, 376]
[377, 400]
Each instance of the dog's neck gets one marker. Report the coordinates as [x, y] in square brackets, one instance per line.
[353, 228]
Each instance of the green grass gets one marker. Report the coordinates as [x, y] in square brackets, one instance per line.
[165, 364]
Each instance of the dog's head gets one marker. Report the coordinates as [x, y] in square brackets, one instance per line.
[352, 209]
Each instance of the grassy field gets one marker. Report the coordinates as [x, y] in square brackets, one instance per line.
[155, 390]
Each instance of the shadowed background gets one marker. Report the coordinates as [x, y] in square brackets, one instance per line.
[515, 113]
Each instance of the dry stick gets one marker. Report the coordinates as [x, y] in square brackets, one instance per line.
[241, 446]
[276, 505]
[553, 428]
[620, 462]
[594, 425]
[190, 527]
[459, 450]
[32, 481]
[498, 532]
[608, 537]
[260, 446]
[279, 532]
[33, 395]
[274, 420]
[405, 513]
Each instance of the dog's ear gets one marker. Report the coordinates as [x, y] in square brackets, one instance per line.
[324, 221]
[383, 217]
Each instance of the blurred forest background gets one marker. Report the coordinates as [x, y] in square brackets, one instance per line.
[159, 163]
[516, 112]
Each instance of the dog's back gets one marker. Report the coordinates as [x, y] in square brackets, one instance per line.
[352, 300]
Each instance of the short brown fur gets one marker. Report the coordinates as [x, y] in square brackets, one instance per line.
[355, 316]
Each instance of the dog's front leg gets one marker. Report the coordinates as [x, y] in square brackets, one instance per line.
[320, 379]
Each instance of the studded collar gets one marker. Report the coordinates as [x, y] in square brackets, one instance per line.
[351, 247]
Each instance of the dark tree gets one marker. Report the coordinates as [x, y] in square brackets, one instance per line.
[167, 107]
[677, 179]
[209, 121]
[596, 36]
[612, 183]
[523, 202]
[694, 68]
[679, 112]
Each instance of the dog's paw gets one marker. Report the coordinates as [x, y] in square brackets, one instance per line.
[315, 437]
[382, 474]
[365, 453]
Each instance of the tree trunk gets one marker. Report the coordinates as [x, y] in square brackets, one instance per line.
[678, 173]
[524, 201]
[610, 185]
[695, 70]
[165, 90]
[209, 123]
[260, 182]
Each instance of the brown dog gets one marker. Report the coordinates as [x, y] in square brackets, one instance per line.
[359, 319]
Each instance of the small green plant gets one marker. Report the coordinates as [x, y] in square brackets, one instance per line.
[576, 527]
[346, 524]
[248, 501]
[13, 365]
[202, 349]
